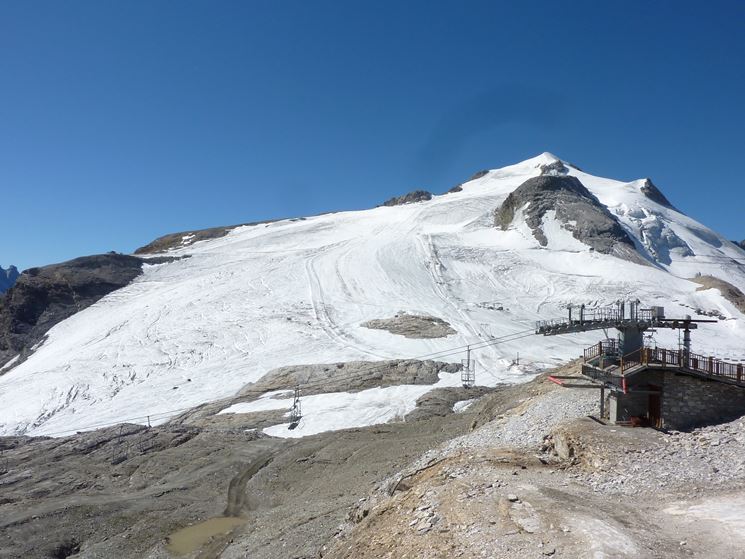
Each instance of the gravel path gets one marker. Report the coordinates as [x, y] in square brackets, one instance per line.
[534, 418]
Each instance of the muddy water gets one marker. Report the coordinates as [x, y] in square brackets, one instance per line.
[189, 539]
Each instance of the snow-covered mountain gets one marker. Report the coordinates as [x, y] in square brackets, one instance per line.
[298, 291]
[8, 278]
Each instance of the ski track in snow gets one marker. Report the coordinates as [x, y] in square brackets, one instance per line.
[296, 291]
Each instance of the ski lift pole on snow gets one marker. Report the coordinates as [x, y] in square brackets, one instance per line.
[296, 412]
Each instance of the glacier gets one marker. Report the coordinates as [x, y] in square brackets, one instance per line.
[297, 291]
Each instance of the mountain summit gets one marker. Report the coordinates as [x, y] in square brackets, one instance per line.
[512, 246]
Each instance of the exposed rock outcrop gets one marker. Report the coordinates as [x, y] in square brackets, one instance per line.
[8, 278]
[556, 168]
[476, 175]
[44, 296]
[350, 376]
[412, 326]
[653, 193]
[576, 208]
[410, 198]
[186, 238]
[728, 291]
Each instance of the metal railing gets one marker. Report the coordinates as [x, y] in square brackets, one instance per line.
[599, 318]
[680, 359]
[607, 348]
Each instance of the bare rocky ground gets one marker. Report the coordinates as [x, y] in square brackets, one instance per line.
[412, 326]
[523, 472]
[126, 491]
[544, 480]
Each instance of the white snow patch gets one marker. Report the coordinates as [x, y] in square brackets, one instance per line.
[10, 363]
[463, 405]
[345, 410]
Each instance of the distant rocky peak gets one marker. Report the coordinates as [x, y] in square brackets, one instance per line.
[8, 278]
[653, 193]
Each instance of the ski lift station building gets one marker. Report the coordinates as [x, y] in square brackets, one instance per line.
[659, 387]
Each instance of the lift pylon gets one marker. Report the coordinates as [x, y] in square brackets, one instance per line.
[296, 412]
[468, 370]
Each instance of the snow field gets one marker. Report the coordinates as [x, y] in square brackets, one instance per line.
[296, 292]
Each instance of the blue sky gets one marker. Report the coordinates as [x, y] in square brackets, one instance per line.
[123, 121]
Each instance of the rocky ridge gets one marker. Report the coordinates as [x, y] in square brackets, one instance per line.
[8, 278]
[653, 193]
[42, 297]
[409, 198]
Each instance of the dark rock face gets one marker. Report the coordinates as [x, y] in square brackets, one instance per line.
[581, 213]
[42, 297]
[410, 198]
[456, 188]
[653, 193]
[741, 244]
[8, 278]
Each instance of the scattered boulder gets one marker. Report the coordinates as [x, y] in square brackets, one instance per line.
[8, 278]
[410, 198]
[412, 326]
[42, 297]
[577, 208]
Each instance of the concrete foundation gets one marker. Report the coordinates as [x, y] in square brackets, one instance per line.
[662, 398]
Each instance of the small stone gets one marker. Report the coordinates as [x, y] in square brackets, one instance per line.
[512, 498]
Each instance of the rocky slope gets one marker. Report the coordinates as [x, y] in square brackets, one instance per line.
[541, 479]
[727, 290]
[44, 296]
[8, 278]
[521, 472]
[574, 206]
